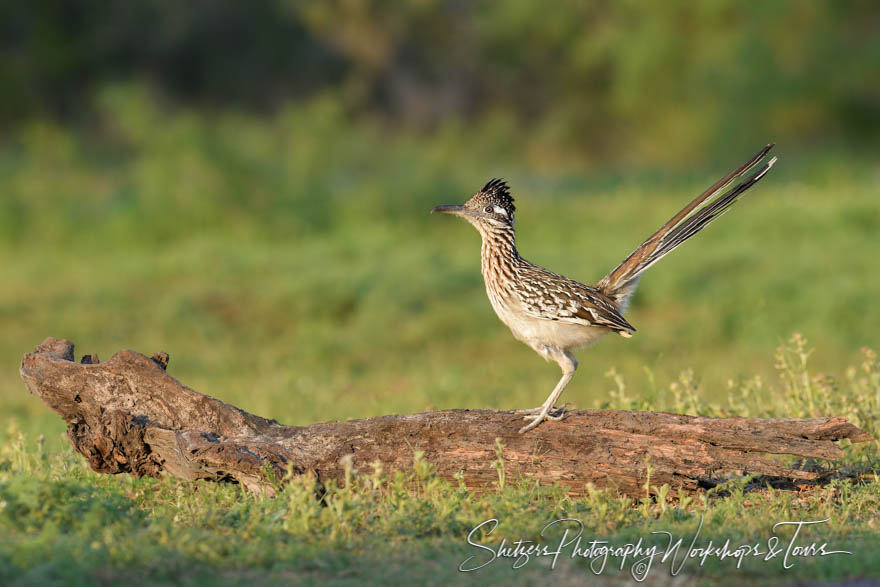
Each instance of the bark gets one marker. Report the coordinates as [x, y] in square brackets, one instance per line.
[128, 415]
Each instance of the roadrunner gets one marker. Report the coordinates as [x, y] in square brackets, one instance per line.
[554, 314]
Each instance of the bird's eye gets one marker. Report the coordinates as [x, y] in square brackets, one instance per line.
[487, 209]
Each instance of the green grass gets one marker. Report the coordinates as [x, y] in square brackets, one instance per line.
[291, 267]
[391, 316]
[63, 524]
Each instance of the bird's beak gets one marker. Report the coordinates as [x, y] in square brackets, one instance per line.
[454, 209]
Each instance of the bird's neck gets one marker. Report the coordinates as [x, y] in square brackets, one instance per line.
[498, 253]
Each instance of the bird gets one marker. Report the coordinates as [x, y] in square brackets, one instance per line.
[555, 315]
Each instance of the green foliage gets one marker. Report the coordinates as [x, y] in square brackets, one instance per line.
[290, 266]
[303, 246]
[585, 81]
[62, 524]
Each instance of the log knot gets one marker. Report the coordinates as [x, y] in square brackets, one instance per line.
[162, 358]
[115, 444]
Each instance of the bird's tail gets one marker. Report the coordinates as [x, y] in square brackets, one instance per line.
[622, 281]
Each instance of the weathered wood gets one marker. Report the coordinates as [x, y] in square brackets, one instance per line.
[128, 415]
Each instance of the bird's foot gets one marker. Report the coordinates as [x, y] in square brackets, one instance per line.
[552, 413]
[538, 415]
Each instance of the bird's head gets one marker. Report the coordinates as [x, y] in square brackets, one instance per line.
[491, 208]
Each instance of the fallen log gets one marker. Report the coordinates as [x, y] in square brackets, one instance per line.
[128, 415]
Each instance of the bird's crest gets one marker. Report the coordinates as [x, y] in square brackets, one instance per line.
[497, 193]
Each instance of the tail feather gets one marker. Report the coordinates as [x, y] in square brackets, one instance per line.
[622, 281]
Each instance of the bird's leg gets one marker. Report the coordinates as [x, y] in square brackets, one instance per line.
[568, 363]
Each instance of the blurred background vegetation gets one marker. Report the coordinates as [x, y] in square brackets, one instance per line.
[246, 186]
[585, 81]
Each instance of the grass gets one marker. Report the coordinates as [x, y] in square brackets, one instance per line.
[290, 267]
[417, 528]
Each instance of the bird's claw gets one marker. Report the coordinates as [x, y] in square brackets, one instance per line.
[534, 411]
[538, 415]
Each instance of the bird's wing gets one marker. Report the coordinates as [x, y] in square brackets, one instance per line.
[550, 296]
